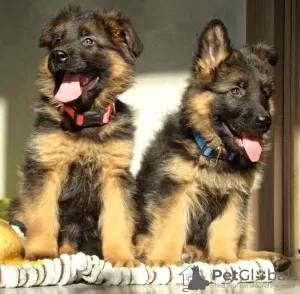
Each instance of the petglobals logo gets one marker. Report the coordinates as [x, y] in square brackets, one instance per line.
[252, 275]
[194, 279]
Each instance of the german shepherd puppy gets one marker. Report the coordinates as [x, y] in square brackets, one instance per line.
[197, 177]
[76, 179]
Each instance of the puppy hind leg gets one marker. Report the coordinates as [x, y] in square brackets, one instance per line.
[70, 239]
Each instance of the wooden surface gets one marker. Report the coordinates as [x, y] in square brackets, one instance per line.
[277, 22]
[260, 27]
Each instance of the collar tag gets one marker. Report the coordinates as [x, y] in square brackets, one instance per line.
[90, 118]
[209, 152]
[110, 109]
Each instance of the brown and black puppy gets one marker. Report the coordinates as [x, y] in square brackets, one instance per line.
[197, 177]
[76, 179]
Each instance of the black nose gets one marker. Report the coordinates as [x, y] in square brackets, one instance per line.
[59, 55]
[263, 121]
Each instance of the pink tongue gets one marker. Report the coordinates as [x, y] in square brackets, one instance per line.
[252, 146]
[69, 89]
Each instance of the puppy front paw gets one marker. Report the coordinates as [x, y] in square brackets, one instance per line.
[118, 263]
[37, 249]
[163, 263]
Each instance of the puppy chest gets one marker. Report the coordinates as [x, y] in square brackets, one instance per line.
[81, 190]
[207, 205]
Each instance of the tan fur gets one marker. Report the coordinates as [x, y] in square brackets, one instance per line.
[201, 200]
[247, 236]
[263, 51]
[191, 253]
[245, 254]
[204, 68]
[51, 112]
[120, 78]
[224, 234]
[272, 107]
[112, 158]
[121, 75]
[119, 32]
[60, 28]
[91, 26]
[110, 14]
[223, 52]
[203, 72]
[207, 63]
[184, 170]
[117, 220]
[199, 111]
[115, 29]
[41, 237]
[228, 228]
[67, 247]
[165, 227]
[45, 80]
[171, 218]
[20, 216]
[231, 232]
[56, 147]
[181, 170]
[142, 244]
[143, 240]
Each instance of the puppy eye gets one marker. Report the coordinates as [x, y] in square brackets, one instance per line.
[236, 92]
[88, 41]
[57, 41]
[266, 94]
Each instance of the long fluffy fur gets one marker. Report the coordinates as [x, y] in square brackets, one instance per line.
[77, 186]
[193, 203]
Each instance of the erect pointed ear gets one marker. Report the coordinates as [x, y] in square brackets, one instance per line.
[265, 52]
[213, 47]
[46, 35]
[122, 31]
[45, 38]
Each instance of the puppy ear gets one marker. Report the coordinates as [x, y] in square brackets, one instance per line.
[213, 47]
[69, 12]
[45, 39]
[46, 36]
[265, 52]
[122, 31]
[214, 44]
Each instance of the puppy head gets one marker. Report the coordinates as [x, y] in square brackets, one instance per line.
[230, 96]
[90, 56]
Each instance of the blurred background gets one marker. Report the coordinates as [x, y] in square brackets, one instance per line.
[169, 30]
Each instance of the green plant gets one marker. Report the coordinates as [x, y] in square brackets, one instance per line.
[3, 207]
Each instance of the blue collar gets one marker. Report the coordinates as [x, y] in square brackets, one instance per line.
[210, 152]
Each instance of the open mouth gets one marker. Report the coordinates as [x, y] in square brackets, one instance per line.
[249, 142]
[72, 86]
